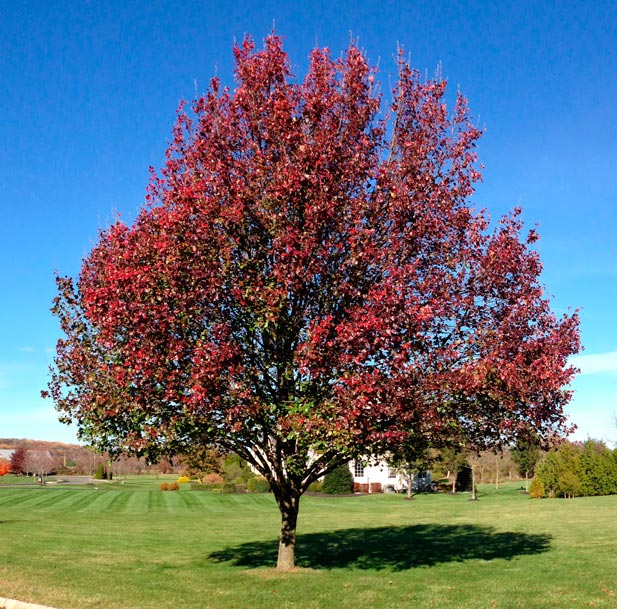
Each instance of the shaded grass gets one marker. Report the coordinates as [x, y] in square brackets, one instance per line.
[392, 548]
[126, 546]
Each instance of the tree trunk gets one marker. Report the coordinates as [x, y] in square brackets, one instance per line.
[474, 494]
[289, 504]
[527, 482]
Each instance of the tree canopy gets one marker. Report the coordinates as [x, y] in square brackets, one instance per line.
[309, 282]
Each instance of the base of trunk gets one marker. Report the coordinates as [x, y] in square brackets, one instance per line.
[287, 557]
[288, 505]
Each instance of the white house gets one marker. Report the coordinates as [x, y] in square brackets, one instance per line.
[6, 453]
[378, 477]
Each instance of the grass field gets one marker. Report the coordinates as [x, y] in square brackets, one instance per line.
[132, 546]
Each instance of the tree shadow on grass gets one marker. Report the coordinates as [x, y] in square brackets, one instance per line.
[392, 548]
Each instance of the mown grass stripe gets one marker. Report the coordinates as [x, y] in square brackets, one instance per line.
[155, 500]
[53, 499]
[34, 497]
[189, 500]
[120, 501]
[82, 500]
[100, 502]
[137, 502]
[12, 497]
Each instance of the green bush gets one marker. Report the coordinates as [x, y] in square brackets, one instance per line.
[228, 487]
[99, 472]
[257, 485]
[339, 481]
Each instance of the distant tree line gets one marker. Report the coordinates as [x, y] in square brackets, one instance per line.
[31, 457]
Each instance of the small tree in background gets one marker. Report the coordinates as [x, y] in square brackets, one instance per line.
[410, 459]
[99, 471]
[203, 460]
[452, 461]
[526, 455]
[39, 463]
[474, 461]
[18, 460]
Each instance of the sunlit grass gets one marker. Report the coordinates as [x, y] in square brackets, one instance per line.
[129, 545]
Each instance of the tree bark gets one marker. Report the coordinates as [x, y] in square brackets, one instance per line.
[289, 505]
[474, 494]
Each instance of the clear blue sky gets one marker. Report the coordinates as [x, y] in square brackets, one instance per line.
[89, 89]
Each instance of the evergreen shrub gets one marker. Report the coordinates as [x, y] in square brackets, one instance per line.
[536, 489]
[338, 481]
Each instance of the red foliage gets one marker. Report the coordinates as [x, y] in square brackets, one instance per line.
[18, 460]
[5, 467]
[309, 283]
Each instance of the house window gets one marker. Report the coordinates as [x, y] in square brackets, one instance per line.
[391, 473]
[358, 469]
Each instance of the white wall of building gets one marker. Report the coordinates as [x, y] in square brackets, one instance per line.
[370, 472]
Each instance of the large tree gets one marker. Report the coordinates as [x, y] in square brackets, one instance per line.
[308, 282]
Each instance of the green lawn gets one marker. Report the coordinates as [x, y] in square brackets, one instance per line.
[125, 546]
